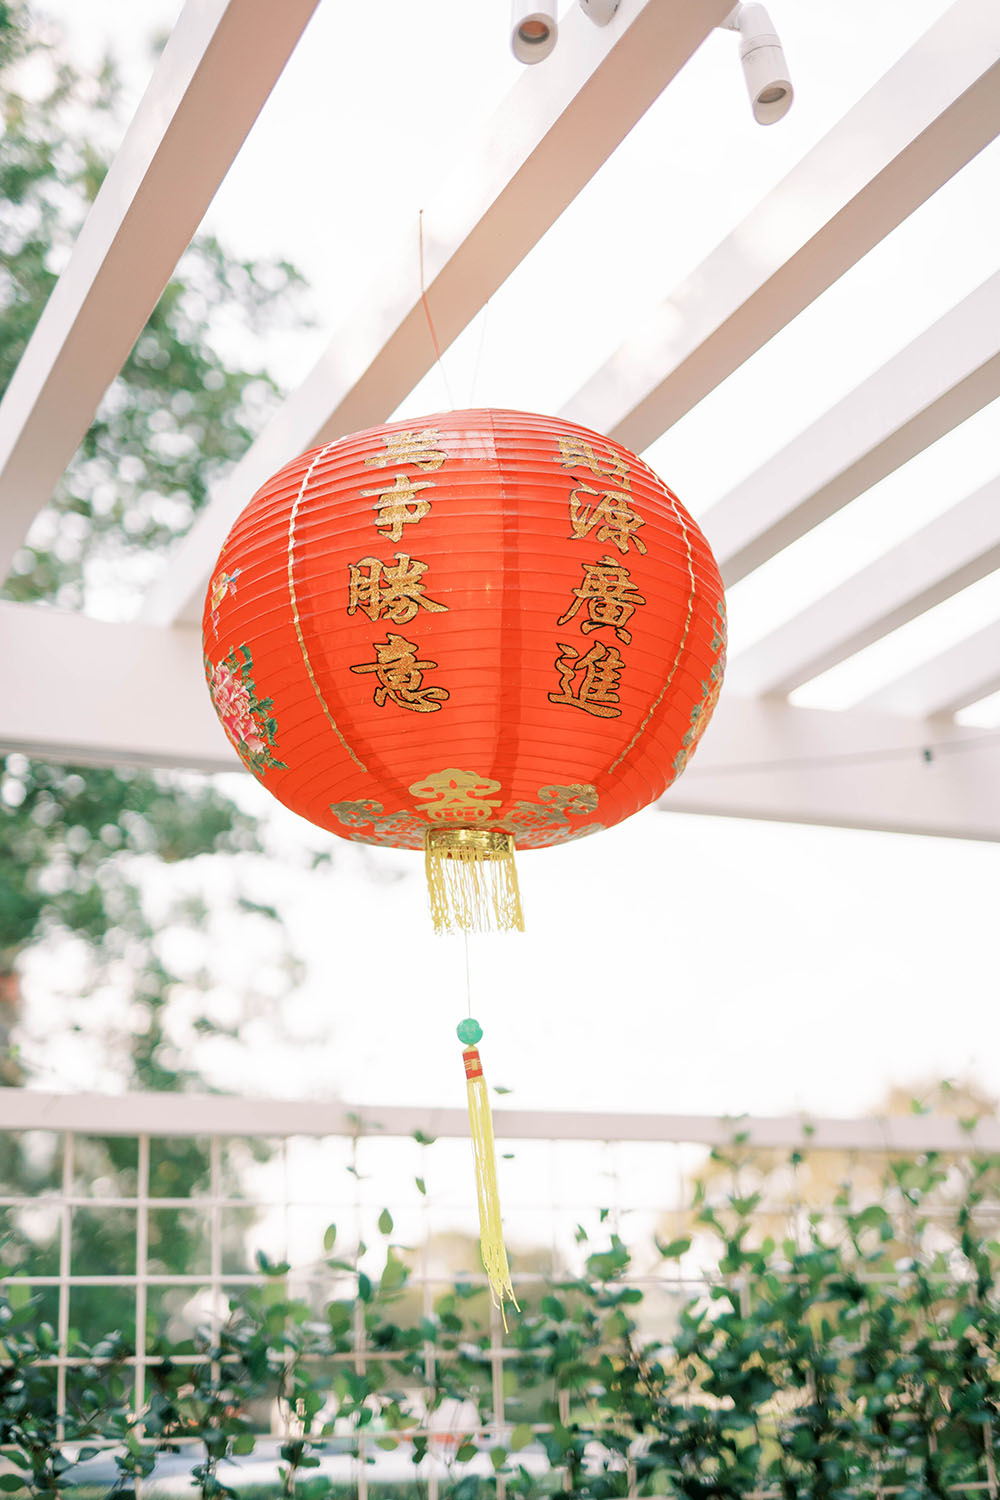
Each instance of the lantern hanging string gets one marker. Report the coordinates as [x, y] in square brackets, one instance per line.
[427, 311]
[468, 978]
[479, 354]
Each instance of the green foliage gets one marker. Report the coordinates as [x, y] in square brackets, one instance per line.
[33, 1437]
[68, 839]
[861, 1354]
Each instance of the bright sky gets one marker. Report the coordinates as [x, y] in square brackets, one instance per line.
[675, 963]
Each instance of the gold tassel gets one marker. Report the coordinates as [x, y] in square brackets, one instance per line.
[491, 1245]
[472, 880]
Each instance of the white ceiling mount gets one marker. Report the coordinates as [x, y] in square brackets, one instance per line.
[601, 12]
[766, 72]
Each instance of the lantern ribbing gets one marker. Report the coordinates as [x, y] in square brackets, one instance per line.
[480, 620]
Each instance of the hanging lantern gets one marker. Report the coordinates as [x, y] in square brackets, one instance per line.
[480, 632]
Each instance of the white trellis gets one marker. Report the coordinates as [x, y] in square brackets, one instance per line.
[604, 1140]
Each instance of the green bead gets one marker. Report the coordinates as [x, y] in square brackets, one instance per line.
[469, 1032]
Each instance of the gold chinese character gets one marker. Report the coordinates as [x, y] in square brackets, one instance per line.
[378, 588]
[457, 796]
[610, 597]
[597, 691]
[614, 517]
[400, 676]
[576, 454]
[409, 448]
[399, 506]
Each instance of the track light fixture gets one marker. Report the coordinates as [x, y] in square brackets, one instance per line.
[599, 11]
[533, 31]
[764, 65]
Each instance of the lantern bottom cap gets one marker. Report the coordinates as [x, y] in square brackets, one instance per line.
[472, 880]
[463, 843]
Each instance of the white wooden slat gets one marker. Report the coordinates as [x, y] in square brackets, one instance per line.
[957, 677]
[923, 121]
[947, 374]
[555, 129]
[77, 689]
[945, 556]
[216, 72]
[764, 758]
[222, 1115]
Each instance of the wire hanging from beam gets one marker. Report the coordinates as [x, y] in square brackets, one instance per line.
[427, 311]
[928, 753]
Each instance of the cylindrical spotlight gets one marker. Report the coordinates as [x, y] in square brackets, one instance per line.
[764, 65]
[533, 32]
[600, 11]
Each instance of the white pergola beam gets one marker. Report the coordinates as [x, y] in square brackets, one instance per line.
[924, 120]
[947, 374]
[938, 561]
[762, 758]
[218, 68]
[84, 690]
[556, 128]
[76, 689]
[957, 677]
[235, 1115]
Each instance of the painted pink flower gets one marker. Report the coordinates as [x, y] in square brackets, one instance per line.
[233, 705]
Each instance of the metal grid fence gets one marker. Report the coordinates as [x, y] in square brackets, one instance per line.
[629, 1174]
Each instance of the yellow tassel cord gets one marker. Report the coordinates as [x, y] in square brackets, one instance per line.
[491, 1243]
[472, 880]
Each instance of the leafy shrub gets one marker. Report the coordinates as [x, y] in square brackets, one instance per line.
[855, 1355]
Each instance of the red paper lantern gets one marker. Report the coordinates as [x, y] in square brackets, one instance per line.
[482, 620]
[473, 633]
